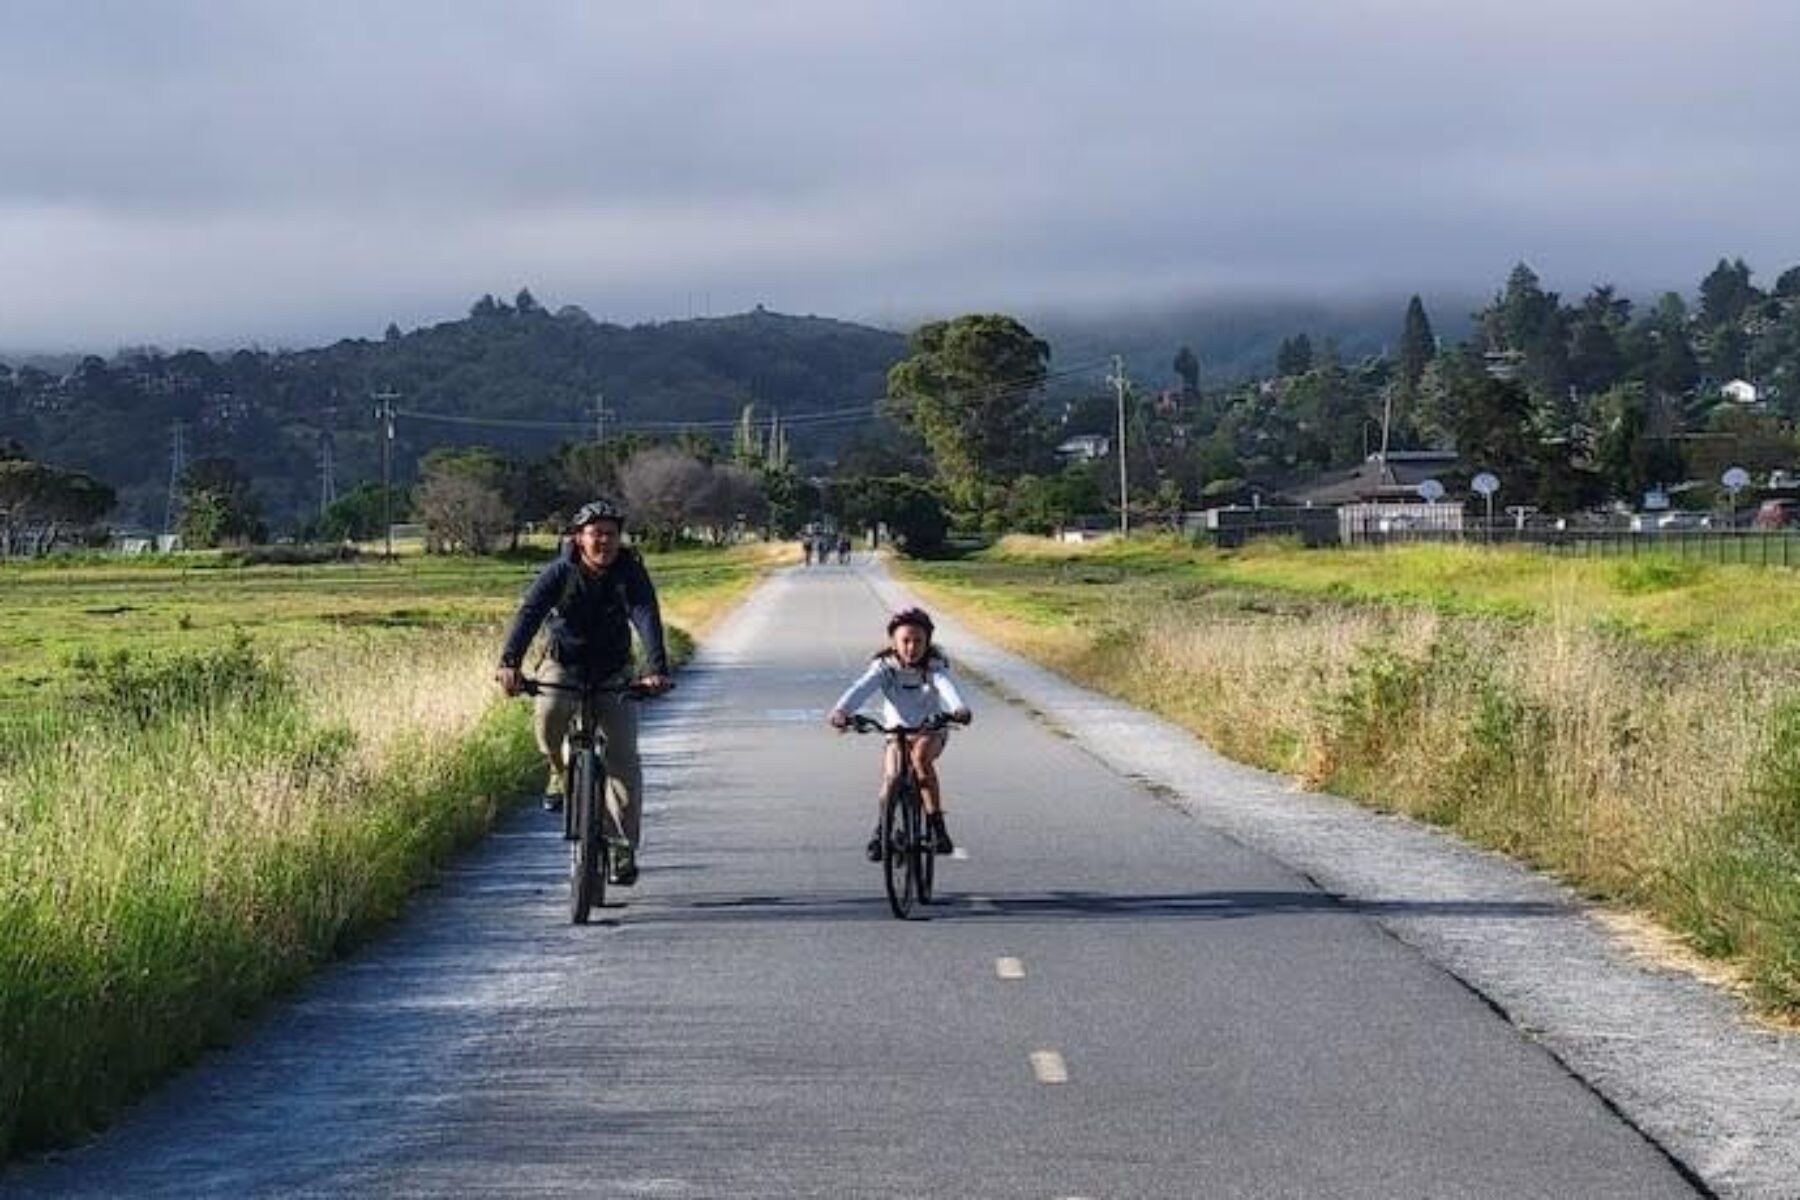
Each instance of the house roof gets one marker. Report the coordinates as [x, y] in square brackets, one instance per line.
[1406, 470]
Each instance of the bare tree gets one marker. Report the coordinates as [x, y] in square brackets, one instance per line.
[661, 486]
[461, 513]
[732, 497]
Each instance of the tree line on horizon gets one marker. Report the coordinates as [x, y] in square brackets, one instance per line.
[1573, 404]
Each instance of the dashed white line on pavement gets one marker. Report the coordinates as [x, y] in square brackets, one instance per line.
[1009, 968]
[982, 904]
[1049, 1067]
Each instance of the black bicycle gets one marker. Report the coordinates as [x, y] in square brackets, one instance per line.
[908, 851]
[591, 847]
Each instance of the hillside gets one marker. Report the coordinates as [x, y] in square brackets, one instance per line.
[512, 376]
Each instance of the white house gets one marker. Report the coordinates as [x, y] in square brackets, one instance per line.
[1085, 447]
[1741, 391]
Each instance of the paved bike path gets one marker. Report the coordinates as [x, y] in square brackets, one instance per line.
[1114, 1000]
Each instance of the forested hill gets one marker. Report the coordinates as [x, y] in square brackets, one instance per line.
[513, 376]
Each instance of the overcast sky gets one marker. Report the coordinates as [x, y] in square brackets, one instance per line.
[214, 173]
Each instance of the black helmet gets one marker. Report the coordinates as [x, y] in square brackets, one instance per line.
[596, 510]
[916, 617]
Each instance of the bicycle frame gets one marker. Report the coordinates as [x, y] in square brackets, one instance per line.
[908, 853]
[584, 820]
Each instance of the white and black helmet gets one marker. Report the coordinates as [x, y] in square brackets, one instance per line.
[596, 510]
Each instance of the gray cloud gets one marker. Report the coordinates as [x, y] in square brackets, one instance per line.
[203, 172]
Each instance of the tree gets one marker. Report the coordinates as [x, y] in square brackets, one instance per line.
[1187, 369]
[1044, 503]
[1418, 346]
[662, 488]
[1595, 360]
[1673, 369]
[914, 516]
[467, 498]
[461, 513]
[218, 505]
[1295, 357]
[580, 471]
[1631, 454]
[357, 514]
[1725, 294]
[970, 388]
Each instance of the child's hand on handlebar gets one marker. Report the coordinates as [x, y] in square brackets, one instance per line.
[962, 716]
[838, 719]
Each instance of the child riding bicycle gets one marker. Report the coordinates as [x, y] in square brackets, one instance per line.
[913, 678]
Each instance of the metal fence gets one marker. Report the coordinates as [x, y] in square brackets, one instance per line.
[1749, 547]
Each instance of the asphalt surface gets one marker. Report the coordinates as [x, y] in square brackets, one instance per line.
[1120, 994]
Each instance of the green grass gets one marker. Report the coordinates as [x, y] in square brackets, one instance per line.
[213, 778]
[57, 621]
[1658, 596]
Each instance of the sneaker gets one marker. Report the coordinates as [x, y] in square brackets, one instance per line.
[552, 801]
[624, 866]
[940, 837]
[554, 790]
[872, 851]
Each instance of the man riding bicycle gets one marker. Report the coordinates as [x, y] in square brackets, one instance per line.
[591, 598]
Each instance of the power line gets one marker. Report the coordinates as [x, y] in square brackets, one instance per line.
[860, 411]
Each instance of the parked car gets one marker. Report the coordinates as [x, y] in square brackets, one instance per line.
[1675, 521]
[1777, 514]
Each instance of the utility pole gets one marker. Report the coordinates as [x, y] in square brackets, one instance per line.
[601, 412]
[327, 472]
[1117, 379]
[177, 468]
[384, 411]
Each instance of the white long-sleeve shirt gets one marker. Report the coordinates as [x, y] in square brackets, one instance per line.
[908, 694]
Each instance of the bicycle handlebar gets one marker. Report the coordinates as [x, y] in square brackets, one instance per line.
[931, 724]
[631, 691]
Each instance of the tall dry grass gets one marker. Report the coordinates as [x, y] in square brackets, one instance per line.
[199, 832]
[1666, 776]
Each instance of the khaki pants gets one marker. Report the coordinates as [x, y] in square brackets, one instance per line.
[555, 711]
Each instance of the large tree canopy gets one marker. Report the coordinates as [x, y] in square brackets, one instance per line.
[970, 388]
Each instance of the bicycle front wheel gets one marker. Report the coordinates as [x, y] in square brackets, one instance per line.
[587, 853]
[898, 830]
[924, 861]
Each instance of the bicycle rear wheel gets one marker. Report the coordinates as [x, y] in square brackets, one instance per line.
[587, 853]
[897, 832]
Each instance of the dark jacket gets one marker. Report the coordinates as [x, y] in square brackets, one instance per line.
[590, 617]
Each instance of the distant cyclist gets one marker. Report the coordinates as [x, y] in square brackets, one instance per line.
[912, 676]
[592, 597]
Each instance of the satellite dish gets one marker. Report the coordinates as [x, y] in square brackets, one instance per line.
[1485, 484]
[1736, 479]
[1432, 490]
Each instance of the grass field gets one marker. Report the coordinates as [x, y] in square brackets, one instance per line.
[212, 778]
[1631, 725]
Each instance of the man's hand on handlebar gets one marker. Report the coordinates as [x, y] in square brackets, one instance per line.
[839, 719]
[962, 716]
[510, 679]
[653, 685]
